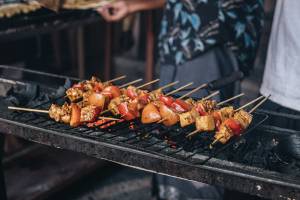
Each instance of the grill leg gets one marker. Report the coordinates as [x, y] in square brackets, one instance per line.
[2, 182]
[149, 71]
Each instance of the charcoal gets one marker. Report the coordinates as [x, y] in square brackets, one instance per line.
[60, 92]
[289, 147]
[25, 95]
[5, 89]
[68, 83]
[30, 95]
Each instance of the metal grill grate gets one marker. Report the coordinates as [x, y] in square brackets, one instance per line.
[152, 138]
[252, 163]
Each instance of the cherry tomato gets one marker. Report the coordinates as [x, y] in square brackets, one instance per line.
[111, 91]
[183, 104]
[125, 112]
[131, 93]
[98, 87]
[143, 98]
[200, 110]
[234, 126]
[167, 100]
[180, 106]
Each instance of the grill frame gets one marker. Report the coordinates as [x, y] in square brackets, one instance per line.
[44, 21]
[219, 172]
[235, 176]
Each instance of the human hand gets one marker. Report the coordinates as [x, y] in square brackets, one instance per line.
[114, 11]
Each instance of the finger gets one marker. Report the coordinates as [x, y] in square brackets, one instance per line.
[106, 14]
[119, 14]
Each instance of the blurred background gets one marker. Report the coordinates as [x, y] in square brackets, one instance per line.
[79, 43]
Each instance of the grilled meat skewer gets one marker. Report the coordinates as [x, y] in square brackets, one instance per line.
[74, 114]
[235, 125]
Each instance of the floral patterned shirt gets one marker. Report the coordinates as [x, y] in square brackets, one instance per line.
[191, 27]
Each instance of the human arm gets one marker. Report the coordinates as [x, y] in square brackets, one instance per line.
[118, 10]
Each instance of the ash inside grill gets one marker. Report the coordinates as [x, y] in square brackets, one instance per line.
[268, 148]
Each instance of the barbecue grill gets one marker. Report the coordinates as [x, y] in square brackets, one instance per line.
[249, 164]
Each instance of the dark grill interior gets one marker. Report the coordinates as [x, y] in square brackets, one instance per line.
[265, 148]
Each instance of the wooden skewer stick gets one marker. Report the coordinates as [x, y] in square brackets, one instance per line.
[192, 133]
[115, 79]
[180, 88]
[193, 91]
[149, 83]
[250, 103]
[109, 118]
[162, 120]
[46, 111]
[214, 142]
[105, 111]
[211, 95]
[166, 86]
[259, 104]
[230, 99]
[27, 109]
[131, 83]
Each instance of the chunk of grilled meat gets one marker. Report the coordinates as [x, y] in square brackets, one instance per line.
[200, 108]
[169, 116]
[244, 118]
[74, 94]
[222, 114]
[224, 134]
[113, 104]
[233, 126]
[188, 118]
[150, 113]
[205, 123]
[77, 91]
[226, 112]
[89, 113]
[209, 105]
[95, 99]
[60, 113]
[204, 107]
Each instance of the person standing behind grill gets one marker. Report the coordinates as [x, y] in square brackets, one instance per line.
[282, 72]
[199, 41]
